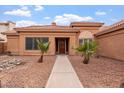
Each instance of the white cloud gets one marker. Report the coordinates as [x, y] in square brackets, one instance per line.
[24, 7]
[100, 13]
[24, 23]
[66, 19]
[47, 17]
[23, 11]
[38, 8]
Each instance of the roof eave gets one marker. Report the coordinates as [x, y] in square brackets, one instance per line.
[48, 30]
[110, 30]
[39, 31]
[87, 24]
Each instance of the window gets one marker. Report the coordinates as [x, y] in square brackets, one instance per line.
[82, 41]
[31, 43]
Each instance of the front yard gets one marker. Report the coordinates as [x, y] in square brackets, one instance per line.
[100, 72]
[29, 74]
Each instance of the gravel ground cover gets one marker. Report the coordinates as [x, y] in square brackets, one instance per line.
[99, 73]
[30, 74]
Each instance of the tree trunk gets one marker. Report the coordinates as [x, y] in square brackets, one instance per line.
[41, 59]
[0, 84]
[86, 59]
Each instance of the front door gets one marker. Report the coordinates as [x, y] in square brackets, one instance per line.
[62, 46]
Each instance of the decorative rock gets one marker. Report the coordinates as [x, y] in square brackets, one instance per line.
[1, 69]
[7, 64]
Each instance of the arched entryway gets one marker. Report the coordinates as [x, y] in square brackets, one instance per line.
[85, 36]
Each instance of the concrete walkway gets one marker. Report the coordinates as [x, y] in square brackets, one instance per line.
[63, 75]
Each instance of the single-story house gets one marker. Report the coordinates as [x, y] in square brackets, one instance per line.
[22, 40]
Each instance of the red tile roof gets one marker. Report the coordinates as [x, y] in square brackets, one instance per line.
[47, 28]
[103, 28]
[112, 28]
[6, 23]
[88, 24]
[12, 32]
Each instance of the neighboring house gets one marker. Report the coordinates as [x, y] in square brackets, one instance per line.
[63, 39]
[5, 26]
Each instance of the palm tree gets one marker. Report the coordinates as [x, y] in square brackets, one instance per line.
[43, 48]
[87, 49]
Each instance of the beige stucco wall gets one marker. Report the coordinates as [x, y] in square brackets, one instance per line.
[3, 28]
[19, 47]
[91, 29]
[112, 45]
[11, 26]
[72, 43]
[7, 27]
[13, 44]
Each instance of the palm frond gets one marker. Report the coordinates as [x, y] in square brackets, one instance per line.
[88, 48]
[43, 46]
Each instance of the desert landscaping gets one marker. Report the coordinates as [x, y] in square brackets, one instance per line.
[99, 73]
[29, 73]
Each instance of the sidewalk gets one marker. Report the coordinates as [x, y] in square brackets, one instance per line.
[63, 75]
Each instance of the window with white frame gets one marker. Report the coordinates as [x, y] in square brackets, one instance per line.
[83, 40]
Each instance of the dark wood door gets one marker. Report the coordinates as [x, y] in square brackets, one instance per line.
[61, 46]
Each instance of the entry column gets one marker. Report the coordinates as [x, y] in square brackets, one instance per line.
[51, 50]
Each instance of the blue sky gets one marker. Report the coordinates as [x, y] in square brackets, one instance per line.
[61, 14]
